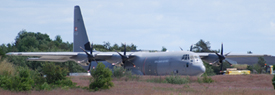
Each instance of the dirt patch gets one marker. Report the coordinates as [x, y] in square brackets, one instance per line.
[254, 84]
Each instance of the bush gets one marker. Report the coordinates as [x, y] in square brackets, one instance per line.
[256, 68]
[101, 78]
[130, 76]
[38, 78]
[157, 80]
[176, 79]
[6, 68]
[44, 86]
[54, 73]
[55, 77]
[21, 81]
[205, 79]
[65, 82]
[24, 79]
[208, 69]
[119, 72]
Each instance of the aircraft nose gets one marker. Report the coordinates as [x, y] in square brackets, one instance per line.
[202, 68]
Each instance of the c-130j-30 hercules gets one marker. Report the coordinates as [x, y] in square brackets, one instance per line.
[141, 63]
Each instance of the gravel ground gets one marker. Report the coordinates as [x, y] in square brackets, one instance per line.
[254, 84]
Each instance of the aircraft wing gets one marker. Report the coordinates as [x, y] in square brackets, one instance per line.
[202, 55]
[212, 57]
[79, 57]
[46, 56]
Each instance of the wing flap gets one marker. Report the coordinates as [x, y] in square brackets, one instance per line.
[46, 56]
[42, 59]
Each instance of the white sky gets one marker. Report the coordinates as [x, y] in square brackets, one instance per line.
[242, 25]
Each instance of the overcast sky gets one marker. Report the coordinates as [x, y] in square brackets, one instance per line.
[242, 25]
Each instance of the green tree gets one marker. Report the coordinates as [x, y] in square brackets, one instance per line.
[30, 41]
[261, 61]
[2, 52]
[202, 46]
[107, 45]
[58, 40]
[115, 47]
[163, 49]
[262, 65]
[101, 78]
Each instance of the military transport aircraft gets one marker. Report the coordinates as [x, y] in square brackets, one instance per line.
[141, 63]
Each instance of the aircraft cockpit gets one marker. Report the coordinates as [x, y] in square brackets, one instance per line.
[192, 58]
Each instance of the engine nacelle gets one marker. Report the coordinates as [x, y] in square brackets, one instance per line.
[211, 58]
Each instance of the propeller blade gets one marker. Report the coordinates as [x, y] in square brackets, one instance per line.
[222, 49]
[92, 48]
[120, 54]
[89, 68]
[221, 66]
[181, 49]
[131, 63]
[221, 57]
[191, 48]
[218, 55]
[90, 56]
[227, 54]
[124, 57]
[85, 51]
[125, 49]
[216, 61]
[230, 61]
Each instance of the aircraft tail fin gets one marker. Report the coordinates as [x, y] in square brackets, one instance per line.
[80, 35]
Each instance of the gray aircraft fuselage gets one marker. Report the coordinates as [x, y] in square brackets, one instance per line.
[161, 63]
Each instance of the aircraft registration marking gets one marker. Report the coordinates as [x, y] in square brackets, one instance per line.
[161, 61]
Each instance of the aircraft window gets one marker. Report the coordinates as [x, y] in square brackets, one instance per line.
[191, 57]
[196, 58]
[185, 57]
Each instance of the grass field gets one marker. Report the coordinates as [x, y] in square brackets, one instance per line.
[254, 84]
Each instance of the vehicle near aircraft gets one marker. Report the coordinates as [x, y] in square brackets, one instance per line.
[140, 63]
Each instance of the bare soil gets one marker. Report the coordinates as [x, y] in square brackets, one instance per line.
[254, 84]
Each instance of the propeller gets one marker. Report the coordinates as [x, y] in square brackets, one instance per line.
[181, 49]
[90, 56]
[191, 47]
[125, 58]
[222, 57]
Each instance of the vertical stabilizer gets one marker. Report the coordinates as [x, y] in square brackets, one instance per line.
[80, 35]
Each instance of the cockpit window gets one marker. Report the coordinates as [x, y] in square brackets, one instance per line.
[185, 57]
[192, 58]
